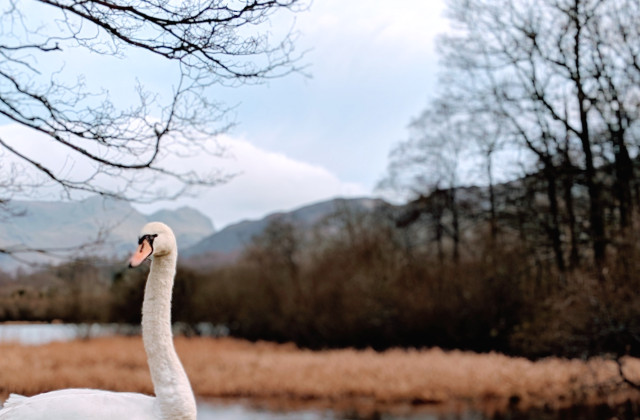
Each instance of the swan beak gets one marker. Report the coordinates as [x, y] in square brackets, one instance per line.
[142, 253]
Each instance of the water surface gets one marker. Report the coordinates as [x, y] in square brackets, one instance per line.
[210, 411]
[222, 411]
[36, 334]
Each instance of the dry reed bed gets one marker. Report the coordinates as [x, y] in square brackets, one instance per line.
[232, 368]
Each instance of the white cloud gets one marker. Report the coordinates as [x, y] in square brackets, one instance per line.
[266, 182]
[403, 28]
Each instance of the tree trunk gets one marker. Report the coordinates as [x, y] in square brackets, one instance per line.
[596, 214]
[554, 228]
[455, 222]
[493, 222]
[624, 176]
[567, 180]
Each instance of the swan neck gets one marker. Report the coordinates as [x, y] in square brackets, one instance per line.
[174, 396]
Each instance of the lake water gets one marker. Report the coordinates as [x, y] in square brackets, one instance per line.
[34, 334]
[218, 411]
[209, 411]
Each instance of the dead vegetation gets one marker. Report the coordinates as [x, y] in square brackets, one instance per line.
[356, 280]
[231, 368]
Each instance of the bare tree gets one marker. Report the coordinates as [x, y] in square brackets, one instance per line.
[429, 164]
[614, 61]
[551, 71]
[481, 129]
[204, 44]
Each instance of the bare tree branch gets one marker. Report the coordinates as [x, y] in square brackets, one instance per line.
[209, 44]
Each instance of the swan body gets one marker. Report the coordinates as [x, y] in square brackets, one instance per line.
[72, 404]
[174, 399]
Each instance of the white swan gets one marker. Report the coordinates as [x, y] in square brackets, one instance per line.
[174, 398]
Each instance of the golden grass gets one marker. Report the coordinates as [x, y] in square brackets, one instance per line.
[231, 368]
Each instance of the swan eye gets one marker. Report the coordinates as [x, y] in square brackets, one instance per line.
[148, 238]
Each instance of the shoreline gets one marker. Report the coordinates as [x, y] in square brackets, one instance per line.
[285, 377]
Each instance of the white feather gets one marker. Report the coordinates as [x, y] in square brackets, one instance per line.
[73, 404]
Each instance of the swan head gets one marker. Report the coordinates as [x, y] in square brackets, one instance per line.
[156, 240]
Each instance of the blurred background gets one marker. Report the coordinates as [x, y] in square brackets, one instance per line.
[460, 174]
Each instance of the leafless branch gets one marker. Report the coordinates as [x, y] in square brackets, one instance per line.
[209, 43]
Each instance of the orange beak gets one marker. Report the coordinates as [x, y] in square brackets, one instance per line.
[142, 253]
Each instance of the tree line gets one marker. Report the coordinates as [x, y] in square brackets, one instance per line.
[363, 279]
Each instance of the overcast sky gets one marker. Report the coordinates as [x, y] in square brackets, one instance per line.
[300, 140]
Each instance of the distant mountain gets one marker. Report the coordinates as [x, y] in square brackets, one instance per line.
[229, 242]
[109, 227]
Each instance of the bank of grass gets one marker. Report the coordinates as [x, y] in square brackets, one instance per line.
[231, 368]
